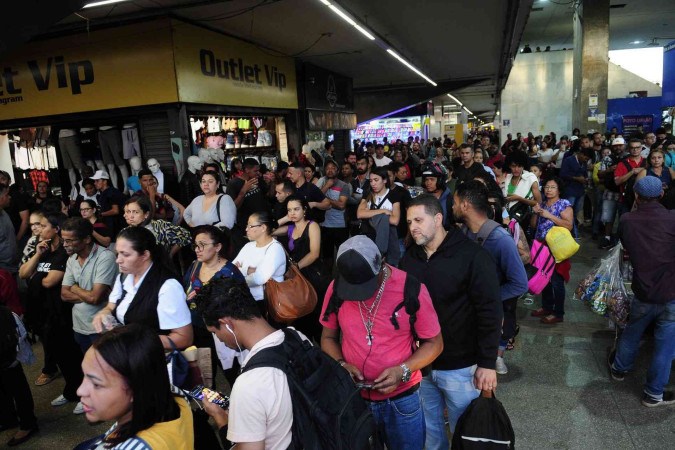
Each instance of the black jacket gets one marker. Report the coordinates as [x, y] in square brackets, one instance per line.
[464, 287]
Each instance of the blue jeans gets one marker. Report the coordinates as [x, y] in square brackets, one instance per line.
[641, 315]
[553, 295]
[85, 340]
[577, 205]
[402, 422]
[451, 389]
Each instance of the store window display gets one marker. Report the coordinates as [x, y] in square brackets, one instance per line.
[90, 149]
[130, 146]
[71, 153]
[110, 141]
[189, 184]
[133, 183]
[155, 168]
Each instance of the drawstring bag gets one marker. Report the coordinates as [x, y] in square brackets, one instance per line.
[561, 243]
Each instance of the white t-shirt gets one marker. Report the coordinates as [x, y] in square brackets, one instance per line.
[387, 204]
[260, 403]
[172, 309]
[382, 162]
[269, 261]
[213, 124]
[546, 155]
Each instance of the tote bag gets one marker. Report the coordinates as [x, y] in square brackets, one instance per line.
[541, 267]
[561, 243]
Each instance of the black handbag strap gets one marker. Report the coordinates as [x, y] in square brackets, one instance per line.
[373, 206]
[218, 209]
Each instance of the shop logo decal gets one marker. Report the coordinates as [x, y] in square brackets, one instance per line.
[331, 95]
[73, 75]
[241, 74]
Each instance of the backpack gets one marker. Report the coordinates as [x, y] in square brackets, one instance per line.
[628, 191]
[484, 425]
[328, 410]
[9, 338]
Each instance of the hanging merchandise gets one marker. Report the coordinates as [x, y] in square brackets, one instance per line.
[604, 290]
[213, 124]
[130, 144]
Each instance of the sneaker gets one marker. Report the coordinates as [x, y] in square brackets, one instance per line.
[616, 375]
[650, 402]
[79, 409]
[605, 243]
[500, 367]
[59, 401]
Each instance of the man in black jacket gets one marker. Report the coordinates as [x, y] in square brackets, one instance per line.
[462, 280]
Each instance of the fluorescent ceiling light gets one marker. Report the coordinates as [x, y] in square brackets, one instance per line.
[467, 110]
[454, 99]
[103, 2]
[411, 67]
[364, 32]
[637, 42]
[348, 19]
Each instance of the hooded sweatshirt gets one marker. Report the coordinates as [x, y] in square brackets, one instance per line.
[462, 280]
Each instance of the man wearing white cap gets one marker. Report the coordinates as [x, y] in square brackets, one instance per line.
[110, 199]
[648, 234]
[365, 305]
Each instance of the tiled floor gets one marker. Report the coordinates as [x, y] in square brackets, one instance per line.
[557, 392]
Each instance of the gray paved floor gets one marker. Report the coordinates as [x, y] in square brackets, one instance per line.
[557, 392]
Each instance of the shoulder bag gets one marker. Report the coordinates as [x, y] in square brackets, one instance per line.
[292, 298]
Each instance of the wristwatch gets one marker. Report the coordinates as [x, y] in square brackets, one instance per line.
[406, 373]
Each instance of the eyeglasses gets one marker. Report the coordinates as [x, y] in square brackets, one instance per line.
[201, 245]
[253, 226]
[85, 209]
[69, 241]
[36, 224]
[550, 187]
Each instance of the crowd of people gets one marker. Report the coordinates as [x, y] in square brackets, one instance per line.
[110, 283]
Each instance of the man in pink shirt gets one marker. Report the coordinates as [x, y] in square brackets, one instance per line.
[366, 332]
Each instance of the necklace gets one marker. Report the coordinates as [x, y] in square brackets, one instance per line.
[370, 313]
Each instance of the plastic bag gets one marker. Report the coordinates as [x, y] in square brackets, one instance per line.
[604, 290]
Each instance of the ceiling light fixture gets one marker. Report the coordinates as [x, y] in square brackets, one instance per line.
[454, 99]
[636, 42]
[411, 67]
[103, 3]
[467, 110]
[348, 19]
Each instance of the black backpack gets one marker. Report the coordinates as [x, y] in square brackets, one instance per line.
[328, 410]
[9, 338]
[609, 183]
[628, 191]
[484, 425]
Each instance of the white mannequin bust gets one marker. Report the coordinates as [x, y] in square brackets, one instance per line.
[154, 167]
[136, 164]
[217, 154]
[205, 156]
[194, 164]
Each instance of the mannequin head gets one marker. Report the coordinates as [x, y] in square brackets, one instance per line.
[194, 164]
[205, 156]
[153, 165]
[217, 154]
[136, 163]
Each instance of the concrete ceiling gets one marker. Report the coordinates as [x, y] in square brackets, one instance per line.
[454, 42]
[550, 23]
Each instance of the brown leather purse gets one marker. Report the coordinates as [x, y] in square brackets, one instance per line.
[292, 298]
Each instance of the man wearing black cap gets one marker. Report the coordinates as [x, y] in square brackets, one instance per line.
[377, 346]
[648, 234]
[463, 284]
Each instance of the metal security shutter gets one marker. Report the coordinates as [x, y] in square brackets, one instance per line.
[156, 143]
[342, 144]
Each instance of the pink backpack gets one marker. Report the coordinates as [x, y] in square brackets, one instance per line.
[541, 268]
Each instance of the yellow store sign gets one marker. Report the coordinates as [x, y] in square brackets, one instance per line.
[106, 69]
[217, 69]
[156, 62]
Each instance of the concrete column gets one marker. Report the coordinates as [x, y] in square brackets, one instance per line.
[591, 61]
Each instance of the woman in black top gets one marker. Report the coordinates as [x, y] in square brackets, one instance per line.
[44, 272]
[304, 247]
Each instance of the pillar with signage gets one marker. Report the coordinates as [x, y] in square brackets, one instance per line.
[329, 102]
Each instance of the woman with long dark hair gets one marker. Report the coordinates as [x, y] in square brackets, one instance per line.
[89, 211]
[212, 208]
[138, 213]
[147, 291]
[126, 381]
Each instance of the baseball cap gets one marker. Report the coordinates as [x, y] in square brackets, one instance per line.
[358, 262]
[648, 187]
[619, 141]
[101, 175]
[574, 138]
